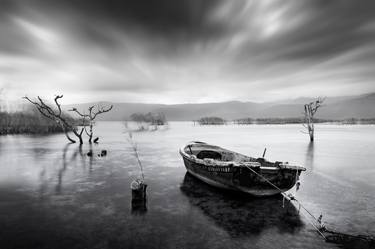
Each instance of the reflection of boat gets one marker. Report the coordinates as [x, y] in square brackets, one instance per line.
[239, 214]
[230, 170]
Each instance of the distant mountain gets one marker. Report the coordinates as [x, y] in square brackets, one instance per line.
[362, 106]
[120, 111]
[359, 107]
[304, 100]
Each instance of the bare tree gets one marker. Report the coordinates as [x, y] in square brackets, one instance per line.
[57, 116]
[136, 154]
[310, 110]
[90, 117]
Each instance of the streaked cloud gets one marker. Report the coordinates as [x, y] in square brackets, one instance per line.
[186, 51]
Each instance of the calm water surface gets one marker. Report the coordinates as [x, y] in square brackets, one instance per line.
[53, 196]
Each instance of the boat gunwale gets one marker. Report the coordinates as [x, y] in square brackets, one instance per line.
[211, 163]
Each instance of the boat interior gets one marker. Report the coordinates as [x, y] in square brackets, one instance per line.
[206, 151]
[203, 151]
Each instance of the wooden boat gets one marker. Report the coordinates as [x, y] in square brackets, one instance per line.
[226, 169]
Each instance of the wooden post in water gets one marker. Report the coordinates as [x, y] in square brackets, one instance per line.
[139, 196]
[138, 186]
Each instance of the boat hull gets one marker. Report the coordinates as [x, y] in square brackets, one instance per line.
[260, 181]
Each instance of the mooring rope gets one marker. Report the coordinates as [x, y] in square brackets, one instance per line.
[290, 197]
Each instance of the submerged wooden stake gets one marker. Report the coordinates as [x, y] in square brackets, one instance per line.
[139, 196]
[138, 188]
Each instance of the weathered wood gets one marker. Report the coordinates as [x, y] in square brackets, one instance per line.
[310, 110]
[139, 196]
[230, 170]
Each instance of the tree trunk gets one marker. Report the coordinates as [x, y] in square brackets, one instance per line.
[310, 110]
[79, 135]
[311, 132]
[67, 135]
[80, 139]
[91, 134]
[312, 136]
[69, 138]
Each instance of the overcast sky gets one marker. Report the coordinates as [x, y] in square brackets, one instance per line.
[173, 51]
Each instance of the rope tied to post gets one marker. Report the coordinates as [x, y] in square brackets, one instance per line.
[290, 197]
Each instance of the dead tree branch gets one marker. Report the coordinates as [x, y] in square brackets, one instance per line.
[136, 154]
[91, 118]
[310, 109]
[56, 115]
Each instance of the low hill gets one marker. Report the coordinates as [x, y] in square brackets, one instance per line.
[362, 106]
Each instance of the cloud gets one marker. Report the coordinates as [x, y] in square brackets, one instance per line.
[187, 51]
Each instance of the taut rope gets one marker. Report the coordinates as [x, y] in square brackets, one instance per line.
[290, 197]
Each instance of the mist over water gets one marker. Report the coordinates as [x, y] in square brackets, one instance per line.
[53, 196]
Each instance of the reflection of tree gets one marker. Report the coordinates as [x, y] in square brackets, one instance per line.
[239, 214]
[62, 170]
[43, 182]
[310, 156]
[91, 158]
[60, 174]
[76, 156]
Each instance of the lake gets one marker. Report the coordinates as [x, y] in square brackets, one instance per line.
[53, 196]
